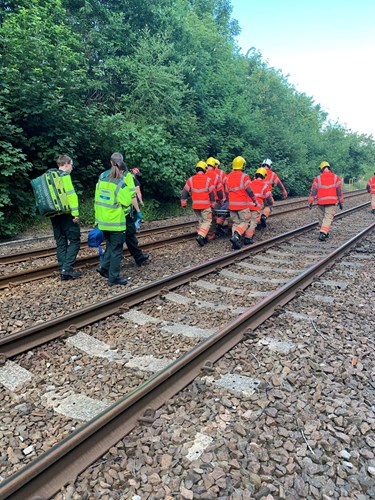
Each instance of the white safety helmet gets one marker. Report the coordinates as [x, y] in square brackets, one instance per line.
[267, 162]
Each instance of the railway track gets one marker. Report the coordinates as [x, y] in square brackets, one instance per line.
[236, 281]
[147, 243]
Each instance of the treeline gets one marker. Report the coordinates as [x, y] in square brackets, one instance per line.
[164, 83]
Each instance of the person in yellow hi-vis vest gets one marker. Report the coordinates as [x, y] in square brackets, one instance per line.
[113, 199]
[66, 230]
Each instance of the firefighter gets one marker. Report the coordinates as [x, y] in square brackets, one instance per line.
[66, 230]
[203, 200]
[237, 187]
[113, 198]
[221, 207]
[371, 189]
[327, 189]
[262, 193]
[218, 192]
[272, 179]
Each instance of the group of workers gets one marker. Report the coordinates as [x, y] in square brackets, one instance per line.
[117, 200]
[217, 196]
[220, 201]
[247, 203]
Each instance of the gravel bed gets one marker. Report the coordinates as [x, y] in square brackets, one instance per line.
[25, 305]
[307, 430]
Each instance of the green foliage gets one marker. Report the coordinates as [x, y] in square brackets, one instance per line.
[164, 83]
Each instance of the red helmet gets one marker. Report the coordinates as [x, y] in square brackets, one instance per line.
[135, 171]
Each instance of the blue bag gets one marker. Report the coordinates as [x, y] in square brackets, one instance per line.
[94, 239]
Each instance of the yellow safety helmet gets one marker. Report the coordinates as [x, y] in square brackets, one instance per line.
[211, 161]
[238, 163]
[261, 171]
[202, 165]
[324, 164]
[217, 162]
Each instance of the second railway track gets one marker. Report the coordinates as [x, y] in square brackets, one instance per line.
[174, 319]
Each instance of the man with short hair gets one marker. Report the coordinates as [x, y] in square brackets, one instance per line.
[66, 230]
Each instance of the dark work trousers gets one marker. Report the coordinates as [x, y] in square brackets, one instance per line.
[113, 254]
[68, 240]
[131, 239]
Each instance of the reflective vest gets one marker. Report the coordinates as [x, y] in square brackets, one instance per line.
[129, 181]
[371, 185]
[112, 198]
[327, 188]
[200, 187]
[70, 194]
[261, 191]
[222, 175]
[272, 179]
[236, 184]
[215, 180]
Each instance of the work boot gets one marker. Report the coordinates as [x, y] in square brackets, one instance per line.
[373, 211]
[248, 241]
[258, 227]
[70, 275]
[220, 231]
[118, 281]
[102, 272]
[322, 236]
[144, 258]
[236, 241]
[200, 240]
[263, 220]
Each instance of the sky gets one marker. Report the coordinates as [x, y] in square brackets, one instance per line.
[325, 47]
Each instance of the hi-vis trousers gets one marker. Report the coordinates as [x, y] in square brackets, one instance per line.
[326, 215]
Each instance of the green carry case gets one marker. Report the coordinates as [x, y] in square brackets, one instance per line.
[50, 197]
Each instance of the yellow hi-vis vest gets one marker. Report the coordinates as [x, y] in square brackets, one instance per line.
[112, 198]
[129, 180]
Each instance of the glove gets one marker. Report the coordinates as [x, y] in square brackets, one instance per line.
[139, 216]
[285, 195]
[310, 205]
[340, 205]
[137, 225]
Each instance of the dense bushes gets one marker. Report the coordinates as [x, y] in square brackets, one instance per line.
[163, 82]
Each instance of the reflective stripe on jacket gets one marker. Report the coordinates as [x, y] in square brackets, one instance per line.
[236, 184]
[201, 189]
[371, 185]
[327, 189]
[215, 180]
[69, 196]
[272, 179]
[261, 191]
[112, 198]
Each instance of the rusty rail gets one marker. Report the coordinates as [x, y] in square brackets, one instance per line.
[63, 462]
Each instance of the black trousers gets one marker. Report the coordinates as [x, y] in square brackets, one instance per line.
[131, 239]
[113, 254]
[68, 240]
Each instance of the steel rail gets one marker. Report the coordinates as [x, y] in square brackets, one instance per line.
[32, 337]
[48, 270]
[60, 465]
[50, 251]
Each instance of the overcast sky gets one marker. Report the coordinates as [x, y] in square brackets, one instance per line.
[327, 47]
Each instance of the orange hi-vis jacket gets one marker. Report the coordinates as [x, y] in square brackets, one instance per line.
[215, 180]
[262, 191]
[371, 185]
[272, 179]
[237, 185]
[222, 175]
[327, 189]
[202, 192]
